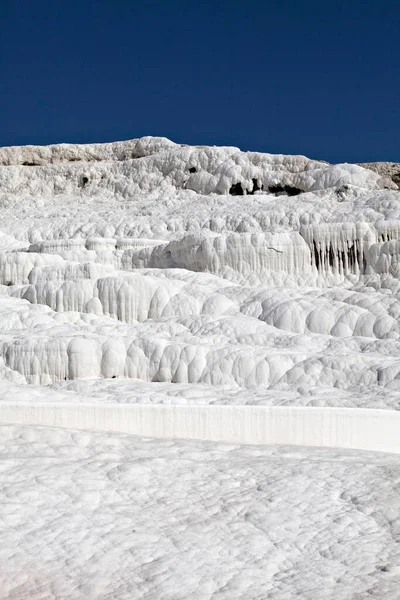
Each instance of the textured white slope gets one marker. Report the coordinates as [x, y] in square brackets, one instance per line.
[146, 164]
[162, 289]
[65, 153]
[181, 265]
[45, 346]
[95, 516]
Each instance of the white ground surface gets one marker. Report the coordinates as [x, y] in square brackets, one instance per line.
[201, 279]
[95, 516]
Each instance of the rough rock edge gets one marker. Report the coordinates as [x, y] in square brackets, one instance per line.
[70, 153]
[152, 147]
[389, 170]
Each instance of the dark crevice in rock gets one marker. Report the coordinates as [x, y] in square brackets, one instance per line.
[256, 187]
[316, 255]
[284, 190]
[84, 181]
[30, 164]
[192, 170]
[236, 190]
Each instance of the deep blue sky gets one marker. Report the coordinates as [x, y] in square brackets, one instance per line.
[301, 77]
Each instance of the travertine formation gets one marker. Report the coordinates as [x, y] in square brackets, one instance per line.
[152, 272]
[94, 516]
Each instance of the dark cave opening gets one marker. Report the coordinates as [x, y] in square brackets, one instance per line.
[285, 190]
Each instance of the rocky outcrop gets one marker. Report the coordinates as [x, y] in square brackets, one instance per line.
[390, 170]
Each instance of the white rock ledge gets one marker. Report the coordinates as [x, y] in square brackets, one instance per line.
[364, 429]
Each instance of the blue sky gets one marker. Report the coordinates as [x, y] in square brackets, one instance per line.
[299, 77]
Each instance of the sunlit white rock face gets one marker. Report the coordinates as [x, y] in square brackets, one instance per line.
[157, 273]
[156, 262]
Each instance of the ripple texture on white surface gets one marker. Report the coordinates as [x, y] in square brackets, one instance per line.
[95, 516]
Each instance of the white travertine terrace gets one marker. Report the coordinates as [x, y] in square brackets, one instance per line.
[157, 289]
[158, 262]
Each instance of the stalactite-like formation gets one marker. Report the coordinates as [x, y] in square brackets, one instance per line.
[338, 248]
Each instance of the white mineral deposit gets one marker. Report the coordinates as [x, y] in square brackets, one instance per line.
[199, 375]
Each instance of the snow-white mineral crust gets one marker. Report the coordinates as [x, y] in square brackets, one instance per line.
[149, 272]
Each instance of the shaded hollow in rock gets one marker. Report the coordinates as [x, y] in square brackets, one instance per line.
[285, 190]
[236, 190]
[257, 187]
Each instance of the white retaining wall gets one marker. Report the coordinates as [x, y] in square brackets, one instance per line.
[366, 429]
